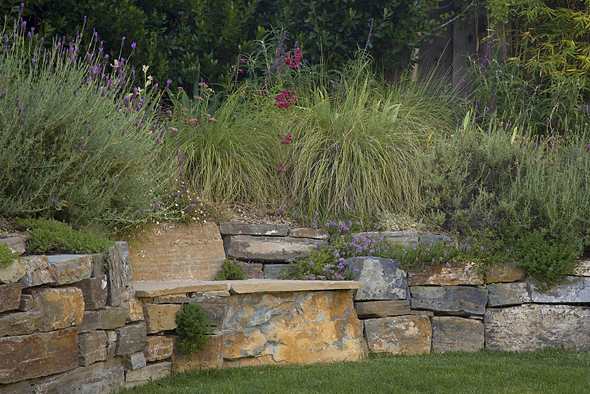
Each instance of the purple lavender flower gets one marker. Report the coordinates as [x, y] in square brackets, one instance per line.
[369, 36]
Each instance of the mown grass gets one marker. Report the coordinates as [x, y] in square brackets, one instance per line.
[542, 371]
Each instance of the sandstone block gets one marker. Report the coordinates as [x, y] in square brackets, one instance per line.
[503, 294]
[275, 271]
[507, 272]
[456, 334]
[251, 270]
[92, 347]
[309, 233]
[31, 356]
[455, 300]
[39, 272]
[120, 278]
[382, 279]
[158, 347]
[373, 309]
[574, 289]
[533, 326]
[134, 361]
[399, 334]
[143, 375]
[14, 272]
[130, 339]
[134, 310]
[263, 229]
[89, 322]
[210, 357]
[95, 291]
[442, 275]
[71, 268]
[174, 251]
[10, 296]
[166, 288]
[266, 249]
[293, 328]
[397, 237]
[112, 317]
[160, 317]
[20, 323]
[62, 307]
[274, 286]
[172, 299]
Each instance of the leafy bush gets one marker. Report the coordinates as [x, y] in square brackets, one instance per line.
[7, 256]
[194, 328]
[51, 236]
[229, 271]
[78, 142]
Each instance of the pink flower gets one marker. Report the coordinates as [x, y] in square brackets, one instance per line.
[190, 121]
[282, 167]
[174, 129]
[203, 84]
[242, 60]
[240, 70]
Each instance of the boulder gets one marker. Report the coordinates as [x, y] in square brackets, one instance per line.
[456, 334]
[266, 249]
[71, 268]
[382, 278]
[534, 326]
[399, 334]
[454, 300]
[261, 229]
[504, 294]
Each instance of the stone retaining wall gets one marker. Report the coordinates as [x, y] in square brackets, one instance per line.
[81, 324]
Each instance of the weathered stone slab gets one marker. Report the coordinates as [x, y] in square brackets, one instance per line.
[173, 299]
[160, 317]
[399, 334]
[406, 237]
[10, 296]
[20, 323]
[165, 288]
[130, 339]
[382, 279]
[143, 375]
[98, 264]
[92, 347]
[275, 286]
[210, 357]
[71, 268]
[17, 242]
[455, 300]
[293, 328]
[574, 289]
[159, 347]
[507, 272]
[31, 356]
[112, 317]
[266, 249]
[309, 233]
[23, 387]
[92, 379]
[134, 361]
[503, 294]
[174, 251]
[95, 291]
[29, 302]
[373, 309]
[534, 326]
[432, 238]
[275, 271]
[134, 310]
[39, 272]
[251, 270]
[89, 322]
[14, 272]
[120, 278]
[62, 307]
[263, 229]
[582, 269]
[456, 334]
[443, 275]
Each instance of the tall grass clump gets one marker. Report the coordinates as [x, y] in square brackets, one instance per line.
[356, 142]
[526, 192]
[78, 142]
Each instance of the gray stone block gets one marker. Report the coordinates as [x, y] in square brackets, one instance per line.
[504, 294]
[92, 347]
[454, 300]
[134, 361]
[38, 272]
[382, 279]
[10, 296]
[95, 292]
[131, 338]
[143, 375]
[120, 276]
[456, 334]
[573, 290]
[399, 334]
[266, 249]
[71, 268]
[262, 229]
[112, 317]
[406, 237]
[275, 271]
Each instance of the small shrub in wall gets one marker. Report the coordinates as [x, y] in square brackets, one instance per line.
[229, 271]
[7, 256]
[194, 328]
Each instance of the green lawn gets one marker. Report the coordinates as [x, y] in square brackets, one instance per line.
[545, 371]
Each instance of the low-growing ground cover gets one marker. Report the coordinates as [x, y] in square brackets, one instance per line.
[543, 371]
